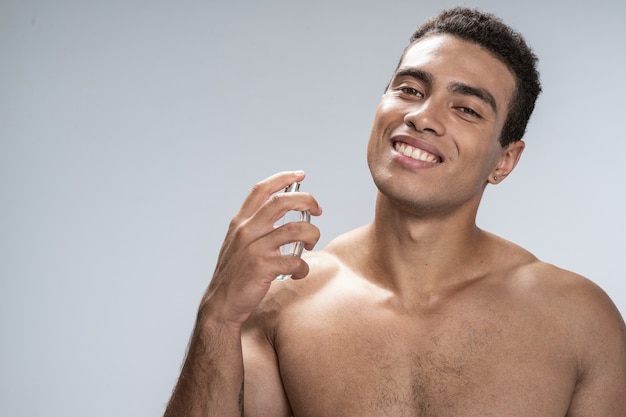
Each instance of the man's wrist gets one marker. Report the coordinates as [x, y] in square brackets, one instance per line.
[213, 320]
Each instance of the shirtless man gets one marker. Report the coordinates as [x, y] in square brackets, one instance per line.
[420, 313]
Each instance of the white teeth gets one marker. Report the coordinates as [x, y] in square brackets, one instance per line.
[415, 153]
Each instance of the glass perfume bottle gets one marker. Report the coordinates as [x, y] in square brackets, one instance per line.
[294, 248]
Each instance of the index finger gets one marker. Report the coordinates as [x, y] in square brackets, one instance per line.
[264, 189]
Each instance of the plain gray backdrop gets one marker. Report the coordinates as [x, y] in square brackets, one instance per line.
[131, 131]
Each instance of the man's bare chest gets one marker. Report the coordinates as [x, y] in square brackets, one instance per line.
[367, 362]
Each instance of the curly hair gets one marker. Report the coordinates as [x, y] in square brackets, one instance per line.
[489, 32]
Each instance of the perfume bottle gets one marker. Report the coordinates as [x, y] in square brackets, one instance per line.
[294, 248]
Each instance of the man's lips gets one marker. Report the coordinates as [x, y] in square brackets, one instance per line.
[416, 153]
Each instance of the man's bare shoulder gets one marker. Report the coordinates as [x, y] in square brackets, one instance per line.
[582, 308]
[563, 289]
[595, 330]
[595, 323]
[528, 276]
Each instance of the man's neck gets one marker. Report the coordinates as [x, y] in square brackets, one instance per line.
[425, 255]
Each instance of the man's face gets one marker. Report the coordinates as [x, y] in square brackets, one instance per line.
[434, 142]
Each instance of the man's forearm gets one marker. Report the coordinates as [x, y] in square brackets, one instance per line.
[211, 380]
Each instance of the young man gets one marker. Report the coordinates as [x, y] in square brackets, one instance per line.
[419, 313]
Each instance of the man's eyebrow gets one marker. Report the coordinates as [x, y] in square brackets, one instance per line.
[415, 73]
[480, 93]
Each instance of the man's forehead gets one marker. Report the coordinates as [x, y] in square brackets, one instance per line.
[444, 45]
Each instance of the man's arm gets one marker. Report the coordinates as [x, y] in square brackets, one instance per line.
[601, 387]
[212, 377]
[211, 380]
[264, 392]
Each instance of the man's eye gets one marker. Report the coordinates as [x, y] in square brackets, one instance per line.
[410, 91]
[469, 111]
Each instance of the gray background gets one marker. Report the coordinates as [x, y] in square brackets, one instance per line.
[130, 132]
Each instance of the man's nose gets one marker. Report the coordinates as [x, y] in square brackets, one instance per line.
[426, 116]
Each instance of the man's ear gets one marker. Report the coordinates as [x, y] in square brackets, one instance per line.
[508, 160]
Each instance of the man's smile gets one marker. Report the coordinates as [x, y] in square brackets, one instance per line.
[415, 153]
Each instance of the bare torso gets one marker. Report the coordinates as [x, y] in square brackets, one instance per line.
[504, 344]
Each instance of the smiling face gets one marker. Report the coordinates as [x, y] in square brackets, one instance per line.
[434, 143]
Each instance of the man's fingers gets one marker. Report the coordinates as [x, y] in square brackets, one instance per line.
[264, 189]
[272, 261]
[293, 266]
[294, 232]
[248, 227]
